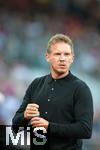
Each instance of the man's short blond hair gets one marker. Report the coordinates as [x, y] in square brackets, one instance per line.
[57, 38]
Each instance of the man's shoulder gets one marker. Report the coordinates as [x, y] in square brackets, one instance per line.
[79, 82]
[39, 79]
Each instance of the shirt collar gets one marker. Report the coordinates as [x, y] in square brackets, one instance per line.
[67, 77]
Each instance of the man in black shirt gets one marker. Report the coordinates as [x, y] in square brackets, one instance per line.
[60, 102]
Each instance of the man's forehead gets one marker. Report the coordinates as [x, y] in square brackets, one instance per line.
[61, 47]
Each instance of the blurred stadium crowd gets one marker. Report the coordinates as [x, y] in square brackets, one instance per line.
[25, 27]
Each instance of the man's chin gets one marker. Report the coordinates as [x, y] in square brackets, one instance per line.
[60, 72]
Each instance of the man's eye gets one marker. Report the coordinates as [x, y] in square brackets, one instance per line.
[57, 54]
[66, 54]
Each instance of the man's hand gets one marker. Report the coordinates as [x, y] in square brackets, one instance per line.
[39, 122]
[31, 111]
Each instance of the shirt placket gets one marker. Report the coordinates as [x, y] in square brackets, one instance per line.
[51, 90]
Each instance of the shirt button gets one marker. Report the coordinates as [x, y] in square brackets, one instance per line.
[52, 89]
[55, 80]
[48, 100]
[46, 112]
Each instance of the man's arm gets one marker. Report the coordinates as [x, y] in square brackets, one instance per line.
[19, 119]
[83, 114]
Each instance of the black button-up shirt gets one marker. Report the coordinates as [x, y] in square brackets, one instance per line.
[67, 104]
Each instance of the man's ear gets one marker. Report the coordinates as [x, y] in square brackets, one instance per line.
[47, 56]
[72, 58]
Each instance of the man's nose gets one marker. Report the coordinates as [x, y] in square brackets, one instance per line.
[62, 57]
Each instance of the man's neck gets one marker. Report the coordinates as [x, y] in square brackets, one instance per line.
[58, 76]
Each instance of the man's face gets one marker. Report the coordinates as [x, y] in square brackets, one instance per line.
[60, 58]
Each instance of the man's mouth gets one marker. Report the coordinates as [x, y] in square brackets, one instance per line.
[62, 65]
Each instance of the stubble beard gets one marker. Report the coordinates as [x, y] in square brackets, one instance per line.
[59, 72]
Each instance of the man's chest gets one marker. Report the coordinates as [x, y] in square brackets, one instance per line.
[54, 100]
